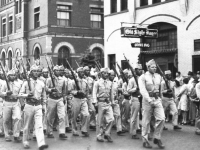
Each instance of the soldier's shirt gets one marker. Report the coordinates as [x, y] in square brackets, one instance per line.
[59, 84]
[132, 86]
[37, 88]
[90, 82]
[171, 85]
[124, 87]
[102, 89]
[82, 83]
[2, 82]
[115, 88]
[15, 87]
[68, 84]
[149, 83]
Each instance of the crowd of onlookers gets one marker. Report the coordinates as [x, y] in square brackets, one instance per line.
[187, 96]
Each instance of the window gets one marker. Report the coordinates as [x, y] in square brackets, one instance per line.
[9, 60]
[3, 57]
[37, 17]
[10, 25]
[96, 21]
[63, 15]
[156, 1]
[113, 5]
[3, 2]
[197, 45]
[143, 2]
[98, 55]
[124, 5]
[3, 27]
[18, 6]
[63, 54]
[37, 53]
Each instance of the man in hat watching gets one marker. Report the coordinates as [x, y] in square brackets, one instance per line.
[149, 84]
[92, 110]
[104, 98]
[34, 92]
[168, 98]
[79, 103]
[11, 107]
[56, 103]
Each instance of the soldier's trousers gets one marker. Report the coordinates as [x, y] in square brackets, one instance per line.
[169, 102]
[33, 113]
[92, 112]
[55, 106]
[105, 119]
[158, 112]
[11, 113]
[125, 113]
[66, 115]
[117, 116]
[1, 117]
[135, 108]
[80, 106]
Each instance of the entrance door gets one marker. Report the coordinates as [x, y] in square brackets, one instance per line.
[195, 63]
[111, 60]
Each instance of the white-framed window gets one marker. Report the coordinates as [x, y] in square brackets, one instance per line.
[4, 27]
[96, 21]
[63, 15]
[18, 6]
[10, 24]
[37, 17]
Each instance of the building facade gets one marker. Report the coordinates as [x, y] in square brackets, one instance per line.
[58, 28]
[177, 47]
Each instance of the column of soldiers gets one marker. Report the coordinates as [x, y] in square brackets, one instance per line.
[61, 98]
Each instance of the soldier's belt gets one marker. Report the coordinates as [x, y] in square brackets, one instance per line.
[33, 102]
[107, 100]
[167, 95]
[151, 94]
[55, 96]
[8, 99]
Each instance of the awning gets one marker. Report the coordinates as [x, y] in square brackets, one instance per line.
[164, 51]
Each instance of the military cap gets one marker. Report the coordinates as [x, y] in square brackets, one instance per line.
[11, 72]
[151, 62]
[45, 70]
[62, 67]
[40, 68]
[56, 68]
[80, 69]
[105, 70]
[86, 68]
[190, 73]
[130, 73]
[66, 70]
[168, 72]
[138, 66]
[111, 72]
[34, 67]
[125, 71]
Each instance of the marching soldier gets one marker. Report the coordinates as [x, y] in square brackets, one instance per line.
[116, 107]
[168, 98]
[34, 92]
[11, 107]
[149, 84]
[103, 96]
[92, 110]
[56, 88]
[80, 92]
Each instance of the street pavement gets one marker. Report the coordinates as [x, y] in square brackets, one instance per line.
[184, 139]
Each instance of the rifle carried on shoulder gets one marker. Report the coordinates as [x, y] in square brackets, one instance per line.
[50, 72]
[122, 74]
[77, 63]
[26, 75]
[4, 73]
[115, 71]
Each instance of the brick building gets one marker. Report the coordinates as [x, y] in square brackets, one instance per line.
[178, 44]
[59, 28]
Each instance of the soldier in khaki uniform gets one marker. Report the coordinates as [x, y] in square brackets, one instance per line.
[168, 98]
[103, 96]
[56, 103]
[149, 84]
[92, 110]
[11, 106]
[34, 92]
[79, 103]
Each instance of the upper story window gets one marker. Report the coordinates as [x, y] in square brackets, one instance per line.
[37, 17]
[18, 6]
[143, 2]
[10, 30]
[96, 17]
[3, 2]
[3, 27]
[113, 6]
[63, 15]
[124, 5]
[156, 1]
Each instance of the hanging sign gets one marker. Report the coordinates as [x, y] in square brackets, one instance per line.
[140, 45]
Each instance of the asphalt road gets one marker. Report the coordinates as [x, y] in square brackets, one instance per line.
[184, 139]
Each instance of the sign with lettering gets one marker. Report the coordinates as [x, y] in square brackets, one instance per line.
[138, 32]
[140, 45]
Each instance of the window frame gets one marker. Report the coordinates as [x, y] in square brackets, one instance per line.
[67, 21]
[9, 27]
[196, 41]
[4, 24]
[100, 14]
[111, 7]
[36, 14]
[126, 7]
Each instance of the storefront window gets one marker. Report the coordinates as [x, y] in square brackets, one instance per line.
[98, 55]
[63, 54]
